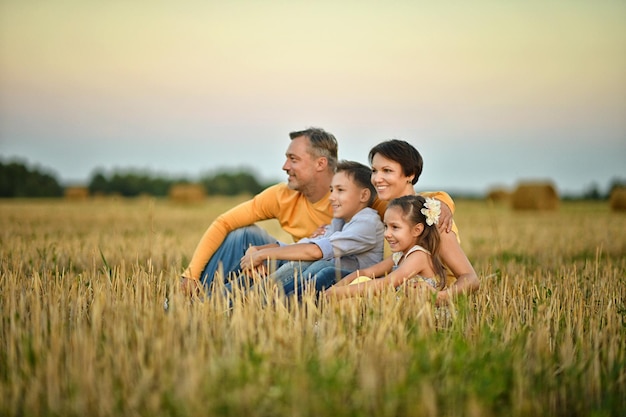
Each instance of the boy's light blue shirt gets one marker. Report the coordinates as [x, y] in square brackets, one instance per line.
[355, 245]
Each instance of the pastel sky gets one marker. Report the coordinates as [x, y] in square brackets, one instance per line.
[490, 92]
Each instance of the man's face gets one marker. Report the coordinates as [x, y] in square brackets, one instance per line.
[299, 165]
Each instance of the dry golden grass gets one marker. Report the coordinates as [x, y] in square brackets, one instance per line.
[84, 331]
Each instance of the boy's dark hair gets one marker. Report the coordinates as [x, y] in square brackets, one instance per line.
[360, 174]
[323, 143]
[403, 153]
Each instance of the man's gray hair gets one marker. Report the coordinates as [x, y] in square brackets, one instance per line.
[323, 143]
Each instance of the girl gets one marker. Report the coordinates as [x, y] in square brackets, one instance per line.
[411, 231]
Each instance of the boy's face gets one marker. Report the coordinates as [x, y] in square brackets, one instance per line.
[346, 198]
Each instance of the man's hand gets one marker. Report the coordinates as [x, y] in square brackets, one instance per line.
[445, 219]
[190, 287]
[249, 261]
[319, 231]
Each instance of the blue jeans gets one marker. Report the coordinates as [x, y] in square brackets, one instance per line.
[320, 274]
[229, 254]
[288, 270]
[284, 276]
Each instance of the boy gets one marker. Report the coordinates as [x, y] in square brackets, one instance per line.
[354, 239]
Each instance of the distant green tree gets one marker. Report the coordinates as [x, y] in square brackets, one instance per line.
[248, 183]
[592, 192]
[18, 180]
[99, 184]
[130, 183]
[231, 183]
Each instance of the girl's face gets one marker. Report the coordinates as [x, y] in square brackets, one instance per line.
[400, 234]
[389, 179]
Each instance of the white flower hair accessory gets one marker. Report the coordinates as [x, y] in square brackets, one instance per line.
[432, 210]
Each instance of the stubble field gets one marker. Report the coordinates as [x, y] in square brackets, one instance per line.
[84, 330]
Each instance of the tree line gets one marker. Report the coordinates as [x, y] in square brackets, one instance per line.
[19, 180]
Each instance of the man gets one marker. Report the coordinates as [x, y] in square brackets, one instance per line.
[301, 206]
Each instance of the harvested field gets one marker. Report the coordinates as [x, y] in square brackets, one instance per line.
[84, 331]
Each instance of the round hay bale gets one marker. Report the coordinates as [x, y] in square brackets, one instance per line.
[187, 193]
[76, 193]
[617, 202]
[498, 195]
[535, 196]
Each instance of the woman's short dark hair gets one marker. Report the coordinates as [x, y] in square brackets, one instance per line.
[403, 153]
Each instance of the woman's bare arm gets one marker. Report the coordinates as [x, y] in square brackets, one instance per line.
[454, 258]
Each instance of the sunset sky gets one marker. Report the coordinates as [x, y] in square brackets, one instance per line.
[490, 92]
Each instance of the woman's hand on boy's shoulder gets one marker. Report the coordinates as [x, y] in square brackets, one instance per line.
[445, 219]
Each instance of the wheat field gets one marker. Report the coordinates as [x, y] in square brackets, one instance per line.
[84, 331]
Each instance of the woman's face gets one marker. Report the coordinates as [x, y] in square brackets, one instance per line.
[389, 179]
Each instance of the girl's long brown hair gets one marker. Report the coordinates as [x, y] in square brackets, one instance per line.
[411, 206]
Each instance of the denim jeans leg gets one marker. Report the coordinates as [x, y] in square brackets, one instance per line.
[294, 275]
[231, 250]
[326, 276]
[285, 275]
[320, 274]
